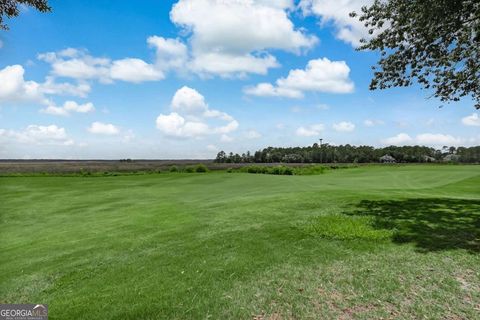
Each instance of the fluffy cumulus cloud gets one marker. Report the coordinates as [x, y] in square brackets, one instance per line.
[235, 37]
[399, 139]
[336, 13]
[175, 125]
[15, 89]
[134, 70]
[428, 139]
[189, 101]
[68, 108]
[320, 75]
[472, 120]
[171, 54]
[51, 87]
[310, 131]
[37, 135]
[103, 128]
[79, 65]
[343, 126]
[191, 115]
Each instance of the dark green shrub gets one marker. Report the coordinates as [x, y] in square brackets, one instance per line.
[309, 170]
[253, 169]
[189, 169]
[200, 168]
[173, 169]
[274, 170]
[279, 170]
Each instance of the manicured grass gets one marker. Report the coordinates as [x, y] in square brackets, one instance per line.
[363, 243]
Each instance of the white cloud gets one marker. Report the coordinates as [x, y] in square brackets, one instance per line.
[171, 53]
[69, 107]
[188, 100]
[54, 110]
[252, 134]
[79, 65]
[472, 120]
[229, 127]
[336, 12]
[344, 126]
[38, 135]
[372, 122]
[399, 139]
[437, 139]
[265, 89]
[227, 65]
[81, 89]
[103, 128]
[134, 70]
[429, 139]
[210, 113]
[234, 37]
[14, 88]
[175, 125]
[310, 131]
[81, 108]
[190, 115]
[226, 138]
[320, 75]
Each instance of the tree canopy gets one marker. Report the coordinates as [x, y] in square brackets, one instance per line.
[433, 42]
[10, 8]
[327, 153]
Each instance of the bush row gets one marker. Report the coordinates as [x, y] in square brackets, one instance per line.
[281, 170]
[199, 168]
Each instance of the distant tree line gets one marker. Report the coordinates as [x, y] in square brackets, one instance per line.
[353, 154]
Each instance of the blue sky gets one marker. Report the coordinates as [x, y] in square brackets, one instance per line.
[185, 79]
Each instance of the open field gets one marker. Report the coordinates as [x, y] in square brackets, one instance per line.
[397, 242]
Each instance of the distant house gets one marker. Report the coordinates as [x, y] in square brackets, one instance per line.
[429, 159]
[451, 158]
[387, 159]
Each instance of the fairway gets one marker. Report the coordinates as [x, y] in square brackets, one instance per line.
[393, 241]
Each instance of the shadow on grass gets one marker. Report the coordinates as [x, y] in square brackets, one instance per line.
[430, 224]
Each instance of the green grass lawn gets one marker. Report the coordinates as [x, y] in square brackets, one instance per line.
[363, 243]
